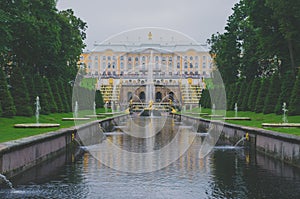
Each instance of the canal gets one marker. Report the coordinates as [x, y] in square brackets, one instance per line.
[96, 172]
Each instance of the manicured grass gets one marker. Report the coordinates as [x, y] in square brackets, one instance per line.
[8, 132]
[258, 118]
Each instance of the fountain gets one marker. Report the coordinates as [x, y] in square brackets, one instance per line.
[284, 120]
[284, 117]
[37, 118]
[236, 145]
[150, 89]
[236, 115]
[235, 110]
[105, 106]
[37, 109]
[6, 181]
[75, 114]
[213, 110]
[94, 115]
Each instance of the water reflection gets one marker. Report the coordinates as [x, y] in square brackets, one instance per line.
[225, 173]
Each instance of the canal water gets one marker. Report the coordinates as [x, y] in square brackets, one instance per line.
[227, 172]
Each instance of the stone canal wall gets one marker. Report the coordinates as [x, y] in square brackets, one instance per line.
[19, 155]
[285, 147]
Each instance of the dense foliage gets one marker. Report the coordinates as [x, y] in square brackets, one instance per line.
[260, 44]
[39, 50]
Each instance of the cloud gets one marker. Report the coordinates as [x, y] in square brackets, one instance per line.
[197, 18]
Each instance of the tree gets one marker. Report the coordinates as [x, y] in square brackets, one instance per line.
[253, 93]
[63, 96]
[287, 83]
[56, 95]
[20, 93]
[242, 93]
[244, 105]
[234, 98]
[260, 101]
[6, 100]
[294, 107]
[99, 99]
[47, 91]
[272, 94]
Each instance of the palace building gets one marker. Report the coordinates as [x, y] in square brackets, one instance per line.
[123, 63]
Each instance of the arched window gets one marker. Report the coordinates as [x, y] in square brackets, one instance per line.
[185, 65]
[142, 96]
[136, 59]
[178, 65]
[129, 58]
[108, 65]
[196, 65]
[191, 58]
[191, 65]
[108, 58]
[158, 96]
[143, 58]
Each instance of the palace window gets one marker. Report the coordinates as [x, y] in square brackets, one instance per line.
[170, 59]
[136, 59]
[96, 57]
[122, 58]
[108, 58]
[178, 65]
[114, 57]
[185, 65]
[191, 65]
[129, 58]
[113, 65]
[104, 57]
[196, 58]
[156, 58]
[163, 58]
[108, 65]
[178, 58]
[191, 58]
[196, 65]
[122, 65]
[143, 58]
[204, 65]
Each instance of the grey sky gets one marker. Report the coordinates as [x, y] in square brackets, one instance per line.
[196, 18]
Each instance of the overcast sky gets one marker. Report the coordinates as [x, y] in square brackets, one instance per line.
[197, 18]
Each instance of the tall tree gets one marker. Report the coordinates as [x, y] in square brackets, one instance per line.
[6, 100]
[260, 100]
[253, 93]
[287, 83]
[272, 94]
[19, 93]
[294, 105]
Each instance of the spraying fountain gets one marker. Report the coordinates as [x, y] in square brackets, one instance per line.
[75, 114]
[6, 181]
[150, 90]
[236, 115]
[37, 118]
[284, 120]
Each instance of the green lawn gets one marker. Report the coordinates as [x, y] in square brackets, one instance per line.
[258, 118]
[8, 132]
[88, 83]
